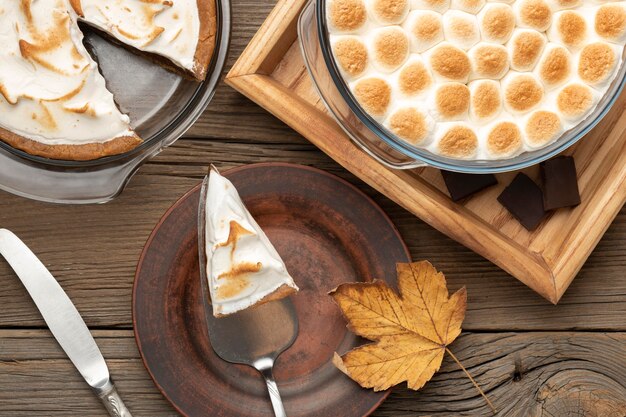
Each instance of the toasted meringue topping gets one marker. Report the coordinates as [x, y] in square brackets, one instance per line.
[170, 28]
[243, 267]
[51, 90]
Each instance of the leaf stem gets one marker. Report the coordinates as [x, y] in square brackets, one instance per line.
[493, 409]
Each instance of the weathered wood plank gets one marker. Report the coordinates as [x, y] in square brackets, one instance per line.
[521, 373]
[93, 250]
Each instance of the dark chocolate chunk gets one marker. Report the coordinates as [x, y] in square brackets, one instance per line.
[461, 186]
[524, 199]
[560, 185]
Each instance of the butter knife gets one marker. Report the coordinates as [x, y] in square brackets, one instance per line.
[64, 321]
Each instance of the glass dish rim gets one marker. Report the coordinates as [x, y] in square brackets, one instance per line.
[177, 127]
[529, 158]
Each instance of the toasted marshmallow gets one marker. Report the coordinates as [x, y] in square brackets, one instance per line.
[542, 127]
[439, 6]
[411, 124]
[610, 22]
[457, 140]
[597, 63]
[533, 14]
[555, 66]
[481, 79]
[496, 22]
[389, 12]
[449, 63]
[504, 139]
[468, 6]
[489, 61]
[373, 94]
[522, 92]
[452, 101]
[425, 29]
[461, 29]
[390, 48]
[557, 5]
[351, 55]
[525, 48]
[574, 101]
[414, 78]
[485, 100]
[346, 15]
[569, 28]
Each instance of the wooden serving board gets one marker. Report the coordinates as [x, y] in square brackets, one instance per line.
[272, 73]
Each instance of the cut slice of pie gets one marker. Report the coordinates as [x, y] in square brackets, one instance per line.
[243, 267]
[54, 102]
[181, 31]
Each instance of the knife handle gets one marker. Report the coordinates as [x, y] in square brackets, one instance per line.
[112, 400]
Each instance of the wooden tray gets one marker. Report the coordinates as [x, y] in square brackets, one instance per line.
[271, 72]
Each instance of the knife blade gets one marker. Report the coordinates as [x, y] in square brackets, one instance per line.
[63, 319]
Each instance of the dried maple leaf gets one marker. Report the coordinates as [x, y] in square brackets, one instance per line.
[411, 331]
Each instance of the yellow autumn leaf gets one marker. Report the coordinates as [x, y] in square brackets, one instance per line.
[410, 331]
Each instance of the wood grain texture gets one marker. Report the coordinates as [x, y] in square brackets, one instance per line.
[544, 374]
[271, 71]
[93, 251]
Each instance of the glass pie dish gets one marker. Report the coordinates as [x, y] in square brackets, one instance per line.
[162, 106]
[393, 151]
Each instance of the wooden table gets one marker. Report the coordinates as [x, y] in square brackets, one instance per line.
[531, 358]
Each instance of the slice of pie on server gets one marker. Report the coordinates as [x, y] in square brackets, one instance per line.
[243, 267]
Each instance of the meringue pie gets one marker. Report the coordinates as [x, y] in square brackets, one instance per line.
[54, 102]
[243, 267]
[476, 79]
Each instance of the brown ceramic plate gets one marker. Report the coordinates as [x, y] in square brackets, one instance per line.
[328, 232]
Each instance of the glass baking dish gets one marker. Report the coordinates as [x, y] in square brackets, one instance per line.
[162, 106]
[389, 149]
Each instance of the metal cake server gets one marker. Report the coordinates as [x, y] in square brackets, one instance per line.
[253, 337]
[64, 321]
